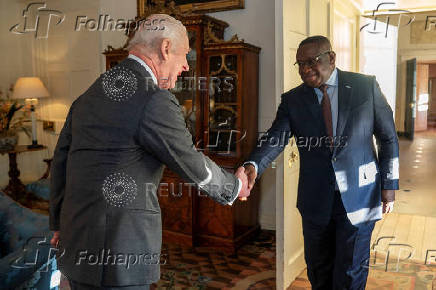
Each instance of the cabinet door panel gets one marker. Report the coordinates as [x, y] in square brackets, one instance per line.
[224, 105]
[175, 199]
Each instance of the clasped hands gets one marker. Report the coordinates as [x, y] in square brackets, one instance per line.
[247, 174]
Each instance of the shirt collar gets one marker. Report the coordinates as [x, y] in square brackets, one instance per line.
[134, 57]
[333, 80]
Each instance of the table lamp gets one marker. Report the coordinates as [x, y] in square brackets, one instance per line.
[30, 89]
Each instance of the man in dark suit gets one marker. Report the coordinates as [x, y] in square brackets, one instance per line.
[344, 184]
[109, 160]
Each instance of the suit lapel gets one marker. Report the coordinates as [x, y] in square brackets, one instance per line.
[345, 90]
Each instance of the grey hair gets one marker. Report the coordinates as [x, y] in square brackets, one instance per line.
[155, 28]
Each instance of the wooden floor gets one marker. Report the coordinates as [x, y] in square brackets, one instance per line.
[413, 221]
[413, 234]
[407, 238]
[409, 232]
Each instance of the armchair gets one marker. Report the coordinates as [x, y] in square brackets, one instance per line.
[26, 258]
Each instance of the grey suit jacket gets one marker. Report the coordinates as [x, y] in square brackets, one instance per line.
[107, 165]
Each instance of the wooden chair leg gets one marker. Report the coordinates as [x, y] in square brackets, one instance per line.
[47, 171]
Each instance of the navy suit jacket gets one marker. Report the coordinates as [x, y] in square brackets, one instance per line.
[360, 172]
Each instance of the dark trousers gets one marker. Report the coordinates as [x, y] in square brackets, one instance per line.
[337, 254]
[80, 286]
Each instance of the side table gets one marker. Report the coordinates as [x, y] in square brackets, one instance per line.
[15, 188]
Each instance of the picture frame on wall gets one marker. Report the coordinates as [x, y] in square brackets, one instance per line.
[196, 6]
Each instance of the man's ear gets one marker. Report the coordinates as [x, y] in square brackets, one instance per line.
[165, 48]
[332, 55]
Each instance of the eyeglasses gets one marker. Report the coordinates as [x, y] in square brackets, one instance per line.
[311, 62]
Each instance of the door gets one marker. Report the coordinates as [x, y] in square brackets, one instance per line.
[409, 121]
[431, 117]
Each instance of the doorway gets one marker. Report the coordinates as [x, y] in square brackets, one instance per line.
[431, 113]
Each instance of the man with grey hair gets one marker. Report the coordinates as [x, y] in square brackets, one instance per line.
[109, 160]
[156, 35]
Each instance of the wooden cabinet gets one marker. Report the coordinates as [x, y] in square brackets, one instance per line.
[219, 99]
[114, 56]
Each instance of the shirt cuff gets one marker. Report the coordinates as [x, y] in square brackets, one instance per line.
[252, 163]
[239, 190]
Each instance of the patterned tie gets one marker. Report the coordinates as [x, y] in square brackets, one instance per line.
[326, 110]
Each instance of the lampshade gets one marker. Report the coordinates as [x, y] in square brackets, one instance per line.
[29, 88]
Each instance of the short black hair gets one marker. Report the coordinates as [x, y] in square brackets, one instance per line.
[318, 39]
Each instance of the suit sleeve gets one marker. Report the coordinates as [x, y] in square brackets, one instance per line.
[163, 133]
[387, 142]
[270, 145]
[58, 172]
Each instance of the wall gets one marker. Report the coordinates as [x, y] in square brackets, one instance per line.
[116, 11]
[16, 61]
[255, 24]
[66, 62]
[378, 57]
[344, 36]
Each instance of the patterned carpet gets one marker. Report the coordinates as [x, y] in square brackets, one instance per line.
[252, 267]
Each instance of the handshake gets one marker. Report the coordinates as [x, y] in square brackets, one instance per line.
[247, 174]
